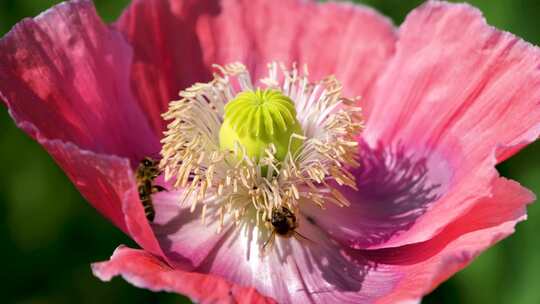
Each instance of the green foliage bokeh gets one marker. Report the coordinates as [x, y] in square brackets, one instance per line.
[50, 235]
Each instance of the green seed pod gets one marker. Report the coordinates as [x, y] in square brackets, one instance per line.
[257, 119]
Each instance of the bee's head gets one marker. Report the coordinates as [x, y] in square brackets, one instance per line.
[148, 162]
[282, 219]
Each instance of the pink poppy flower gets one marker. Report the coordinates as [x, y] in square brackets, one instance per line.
[375, 209]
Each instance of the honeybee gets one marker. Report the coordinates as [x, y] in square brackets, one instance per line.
[283, 221]
[147, 171]
[284, 224]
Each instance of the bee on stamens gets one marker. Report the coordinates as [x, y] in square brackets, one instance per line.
[147, 171]
[284, 224]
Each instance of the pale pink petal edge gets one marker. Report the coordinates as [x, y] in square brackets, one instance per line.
[490, 221]
[144, 270]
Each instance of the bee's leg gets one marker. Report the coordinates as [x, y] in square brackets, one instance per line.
[158, 188]
[301, 237]
[270, 241]
[150, 215]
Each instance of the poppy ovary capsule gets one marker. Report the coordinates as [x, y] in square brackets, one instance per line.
[256, 120]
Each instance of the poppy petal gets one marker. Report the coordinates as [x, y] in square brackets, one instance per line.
[314, 268]
[146, 271]
[177, 42]
[64, 76]
[308, 267]
[67, 73]
[182, 235]
[429, 263]
[394, 188]
[108, 183]
[464, 95]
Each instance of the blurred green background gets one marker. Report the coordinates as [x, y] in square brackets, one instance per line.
[50, 235]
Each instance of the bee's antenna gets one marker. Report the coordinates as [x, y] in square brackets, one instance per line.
[155, 155]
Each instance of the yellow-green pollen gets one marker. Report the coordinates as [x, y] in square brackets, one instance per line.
[258, 119]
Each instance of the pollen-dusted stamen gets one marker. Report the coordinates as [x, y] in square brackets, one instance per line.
[245, 151]
[258, 119]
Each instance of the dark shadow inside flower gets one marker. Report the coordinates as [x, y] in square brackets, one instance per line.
[174, 225]
[341, 268]
[181, 233]
[394, 189]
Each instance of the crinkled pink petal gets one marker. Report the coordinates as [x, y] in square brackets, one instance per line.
[168, 55]
[257, 32]
[459, 94]
[107, 182]
[176, 42]
[146, 271]
[429, 263]
[294, 270]
[67, 73]
[65, 79]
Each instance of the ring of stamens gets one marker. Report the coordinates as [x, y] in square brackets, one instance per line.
[233, 182]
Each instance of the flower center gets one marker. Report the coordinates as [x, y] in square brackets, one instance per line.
[256, 154]
[256, 120]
